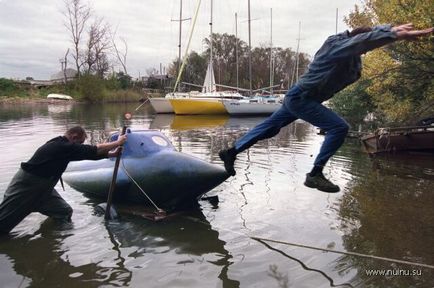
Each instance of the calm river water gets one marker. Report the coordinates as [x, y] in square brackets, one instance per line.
[385, 209]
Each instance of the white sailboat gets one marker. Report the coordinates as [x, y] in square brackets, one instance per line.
[161, 105]
[253, 106]
[258, 105]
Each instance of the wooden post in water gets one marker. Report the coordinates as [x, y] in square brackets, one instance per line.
[107, 214]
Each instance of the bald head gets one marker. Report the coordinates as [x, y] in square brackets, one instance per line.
[76, 134]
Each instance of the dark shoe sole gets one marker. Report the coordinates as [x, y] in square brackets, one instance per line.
[331, 190]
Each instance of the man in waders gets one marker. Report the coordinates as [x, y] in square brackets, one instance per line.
[336, 65]
[32, 187]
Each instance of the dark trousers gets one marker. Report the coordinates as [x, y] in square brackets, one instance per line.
[296, 105]
[28, 193]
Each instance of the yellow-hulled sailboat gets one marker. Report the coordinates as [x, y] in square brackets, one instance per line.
[208, 101]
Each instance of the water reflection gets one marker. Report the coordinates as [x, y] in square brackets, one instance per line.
[42, 259]
[187, 234]
[59, 109]
[11, 112]
[388, 212]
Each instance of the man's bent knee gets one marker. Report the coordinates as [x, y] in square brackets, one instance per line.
[341, 129]
[68, 213]
[64, 213]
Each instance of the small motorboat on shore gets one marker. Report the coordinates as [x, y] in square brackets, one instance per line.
[150, 167]
[59, 97]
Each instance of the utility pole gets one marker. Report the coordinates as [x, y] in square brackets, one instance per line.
[62, 62]
[337, 13]
[180, 20]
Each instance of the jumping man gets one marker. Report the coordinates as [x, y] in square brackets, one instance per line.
[336, 65]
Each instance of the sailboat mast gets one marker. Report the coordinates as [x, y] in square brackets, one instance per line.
[180, 39]
[179, 42]
[298, 52]
[295, 70]
[250, 51]
[178, 78]
[271, 51]
[236, 47]
[210, 50]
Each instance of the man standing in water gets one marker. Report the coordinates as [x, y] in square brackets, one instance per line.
[32, 187]
[336, 65]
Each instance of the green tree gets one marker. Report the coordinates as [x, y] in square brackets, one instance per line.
[7, 87]
[124, 80]
[355, 103]
[195, 70]
[91, 88]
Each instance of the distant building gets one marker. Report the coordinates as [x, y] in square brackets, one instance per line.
[158, 77]
[60, 76]
[156, 81]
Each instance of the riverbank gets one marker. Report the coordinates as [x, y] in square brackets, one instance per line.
[116, 98]
[28, 100]
[87, 89]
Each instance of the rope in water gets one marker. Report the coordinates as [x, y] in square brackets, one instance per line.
[325, 249]
[344, 252]
[140, 188]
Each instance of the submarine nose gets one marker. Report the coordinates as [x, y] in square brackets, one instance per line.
[175, 177]
[198, 171]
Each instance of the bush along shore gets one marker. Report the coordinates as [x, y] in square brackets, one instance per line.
[88, 89]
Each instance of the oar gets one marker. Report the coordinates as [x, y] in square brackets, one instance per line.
[110, 213]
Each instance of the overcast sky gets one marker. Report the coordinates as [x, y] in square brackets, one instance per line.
[33, 37]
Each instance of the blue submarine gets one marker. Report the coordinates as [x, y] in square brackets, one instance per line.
[151, 170]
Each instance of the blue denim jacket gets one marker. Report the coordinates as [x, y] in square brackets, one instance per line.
[337, 63]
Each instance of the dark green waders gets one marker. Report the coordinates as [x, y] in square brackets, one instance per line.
[28, 193]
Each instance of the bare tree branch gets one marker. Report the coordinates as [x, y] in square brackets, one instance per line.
[121, 55]
[77, 15]
[98, 44]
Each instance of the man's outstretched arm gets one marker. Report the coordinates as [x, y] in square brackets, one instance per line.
[407, 32]
[385, 34]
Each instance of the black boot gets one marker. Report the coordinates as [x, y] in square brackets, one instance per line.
[228, 157]
[321, 183]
